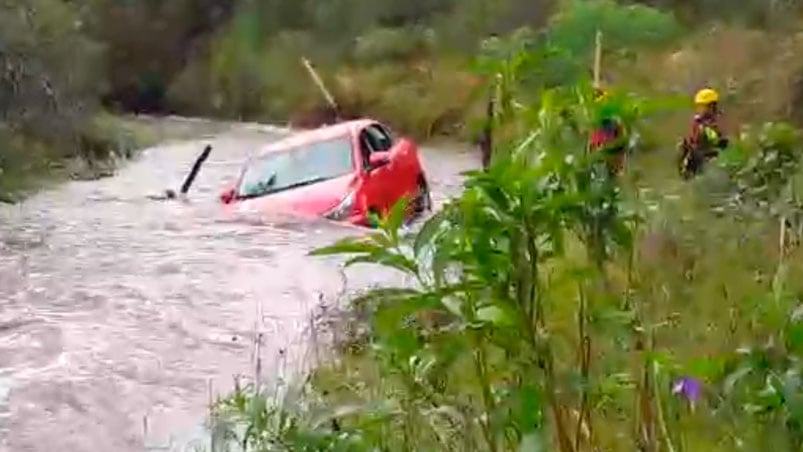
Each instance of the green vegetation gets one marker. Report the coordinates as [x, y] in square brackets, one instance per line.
[410, 65]
[51, 124]
[555, 308]
[405, 62]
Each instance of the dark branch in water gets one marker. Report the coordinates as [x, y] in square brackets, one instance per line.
[195, 168]
[185, 187]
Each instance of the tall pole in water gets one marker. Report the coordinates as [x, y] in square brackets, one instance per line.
[319, 83]
[598, 59]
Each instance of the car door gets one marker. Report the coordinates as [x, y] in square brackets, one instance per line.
[403, 155]
[376, 187]
[397, 171]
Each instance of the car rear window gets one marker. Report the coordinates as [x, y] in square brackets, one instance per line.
[297, 166]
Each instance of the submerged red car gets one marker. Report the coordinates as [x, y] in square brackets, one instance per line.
[343, 172]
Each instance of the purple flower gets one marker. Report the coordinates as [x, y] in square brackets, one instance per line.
[689, 388]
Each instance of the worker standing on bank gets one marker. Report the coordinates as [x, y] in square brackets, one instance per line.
[705, 139]
[609, 135]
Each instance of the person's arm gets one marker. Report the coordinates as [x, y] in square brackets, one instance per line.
[722, 140]
[695, 130]
[714, 138]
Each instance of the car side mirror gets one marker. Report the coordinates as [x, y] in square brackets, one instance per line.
[378, 160]
[227, 196]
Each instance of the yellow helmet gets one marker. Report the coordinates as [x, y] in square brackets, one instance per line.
[706, 96]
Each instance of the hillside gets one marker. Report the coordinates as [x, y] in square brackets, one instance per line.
[412, 65]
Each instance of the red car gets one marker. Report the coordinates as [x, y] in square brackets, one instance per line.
[343, 172]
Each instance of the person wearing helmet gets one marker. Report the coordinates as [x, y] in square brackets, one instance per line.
[609, 135]
[705, 139]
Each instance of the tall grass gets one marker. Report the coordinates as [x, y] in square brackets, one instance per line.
[556, 308]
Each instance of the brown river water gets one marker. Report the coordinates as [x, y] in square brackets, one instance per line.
[118, 313]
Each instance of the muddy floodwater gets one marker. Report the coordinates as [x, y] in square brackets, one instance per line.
[118, 311]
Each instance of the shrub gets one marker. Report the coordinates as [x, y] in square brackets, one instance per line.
[554, 308]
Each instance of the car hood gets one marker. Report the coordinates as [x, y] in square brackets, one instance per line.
[310, 201]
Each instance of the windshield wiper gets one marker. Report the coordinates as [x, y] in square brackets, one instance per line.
[314, 180]
[267, 189]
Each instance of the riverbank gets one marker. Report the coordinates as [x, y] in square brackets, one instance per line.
[28, 166]
[114, 141]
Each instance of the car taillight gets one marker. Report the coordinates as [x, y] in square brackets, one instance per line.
[344, 209]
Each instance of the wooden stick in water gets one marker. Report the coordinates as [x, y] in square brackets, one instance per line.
[598, 59]
[319, 83]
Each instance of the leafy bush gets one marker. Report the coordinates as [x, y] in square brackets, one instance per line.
[43, 91]
[765, 160]
[755, 13]
[501, 236]
[46, 99]
[557, 309]
[567, 44]
[393, 44]
[624, 27]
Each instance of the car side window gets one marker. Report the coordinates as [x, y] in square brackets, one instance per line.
[366, 148]
[367, 143]
[381, 140]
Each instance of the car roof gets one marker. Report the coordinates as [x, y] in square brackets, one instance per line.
[300, 138]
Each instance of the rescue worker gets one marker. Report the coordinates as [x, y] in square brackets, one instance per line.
[705, 139]
[609, 136]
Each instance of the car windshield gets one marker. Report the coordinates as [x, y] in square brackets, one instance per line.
[298, 166]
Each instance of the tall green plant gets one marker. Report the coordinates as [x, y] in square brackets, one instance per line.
[567, 43]
[483, 265]
[536, 321]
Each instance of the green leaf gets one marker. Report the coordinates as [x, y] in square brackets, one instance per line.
[428, 231]
[453, 305]
[387, 259]
[346, 246]
[388, 294]
[706, 368]
[494, 315]
[531, 442]
[794, 337]
[395, 218]
[735, 378]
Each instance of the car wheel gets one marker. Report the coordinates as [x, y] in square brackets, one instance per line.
[423, 199]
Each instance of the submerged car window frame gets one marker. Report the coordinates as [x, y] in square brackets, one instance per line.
[382, 131]
[345, 139]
